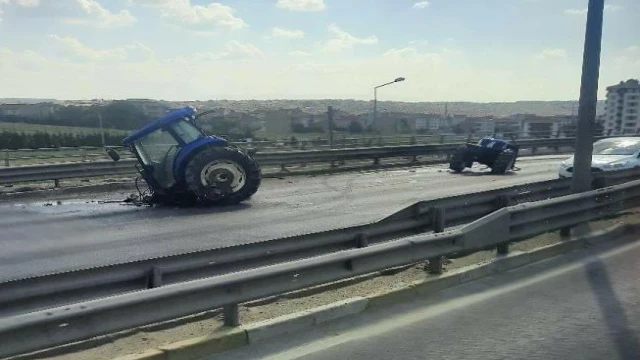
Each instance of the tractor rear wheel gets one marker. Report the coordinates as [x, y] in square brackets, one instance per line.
[458, 163]
[504, 162]
[222, 175]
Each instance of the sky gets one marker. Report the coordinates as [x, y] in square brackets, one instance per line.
[448, 50]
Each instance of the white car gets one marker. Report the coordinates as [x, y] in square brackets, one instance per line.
[609, 155]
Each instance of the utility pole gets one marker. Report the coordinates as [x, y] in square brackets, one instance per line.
[375, 108]
[101, 129]
[330, 120]
[98, 103]
[581, 179]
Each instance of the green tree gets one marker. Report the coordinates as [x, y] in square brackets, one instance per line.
[120, 114]
[355, 127]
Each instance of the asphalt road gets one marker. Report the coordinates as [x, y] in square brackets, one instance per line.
[580, 306]
[38, 238]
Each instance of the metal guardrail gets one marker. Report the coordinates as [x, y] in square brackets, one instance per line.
[63, 288]
[56, 172]
[42, 329]
[15, 157]
[29, 294]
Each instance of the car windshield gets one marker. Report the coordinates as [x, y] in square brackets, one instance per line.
[616, 147]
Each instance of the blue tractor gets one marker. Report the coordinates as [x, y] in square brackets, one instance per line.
[497, 154]
[182, 165]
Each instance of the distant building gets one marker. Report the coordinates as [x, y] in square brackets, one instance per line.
[505, 127]
[345, 121]
[535, 126]
[480, 125]
[622, 108]
[422, 124]
[438, 123]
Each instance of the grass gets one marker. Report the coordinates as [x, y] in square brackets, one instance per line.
[54, 129]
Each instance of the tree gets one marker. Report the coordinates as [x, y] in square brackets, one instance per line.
[120, 114]
[355, 127]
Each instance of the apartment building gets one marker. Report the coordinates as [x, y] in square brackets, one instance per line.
[622, 109]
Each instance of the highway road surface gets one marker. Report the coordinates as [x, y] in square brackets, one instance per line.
[580, 306]
[38, 238]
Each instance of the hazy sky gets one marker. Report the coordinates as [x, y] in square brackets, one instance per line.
[449, 50]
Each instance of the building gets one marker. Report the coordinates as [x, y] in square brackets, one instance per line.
[622, 108]
[479, 125]
[535, 126]
[507, 126]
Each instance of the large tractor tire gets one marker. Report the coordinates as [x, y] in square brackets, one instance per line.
[504, 162]
[222, 175]
[458, 161]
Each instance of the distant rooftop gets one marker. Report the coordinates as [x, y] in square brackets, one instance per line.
[629, 84]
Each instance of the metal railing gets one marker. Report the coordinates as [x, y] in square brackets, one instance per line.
[56, 172]
[20, 157]
[29, 294]
[41, 329]
[31, 331]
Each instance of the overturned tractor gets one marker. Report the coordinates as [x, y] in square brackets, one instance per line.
[497, 154]
[182, 165]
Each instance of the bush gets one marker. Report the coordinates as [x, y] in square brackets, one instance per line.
[15, 140]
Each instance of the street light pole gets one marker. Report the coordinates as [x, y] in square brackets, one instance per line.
[375, 99]
[101, 129]
[98, 103]
[581, 179]
[375, 106]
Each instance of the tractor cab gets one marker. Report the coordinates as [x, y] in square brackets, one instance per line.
[177, 159]
[158, 144]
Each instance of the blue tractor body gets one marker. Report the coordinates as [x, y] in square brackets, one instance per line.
[497, 154]
[181, 164]
[175, 115]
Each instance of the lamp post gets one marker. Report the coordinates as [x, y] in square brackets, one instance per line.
[98, 103]
[375, 98]
[581, 179]
[588, 97]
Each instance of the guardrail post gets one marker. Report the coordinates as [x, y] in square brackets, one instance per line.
[504, 201]
[362, 240]
[56, 183]
[155, 278]
[6, 157]
[599, 182]
[231, 315]
[438, 221]
[376, 161]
